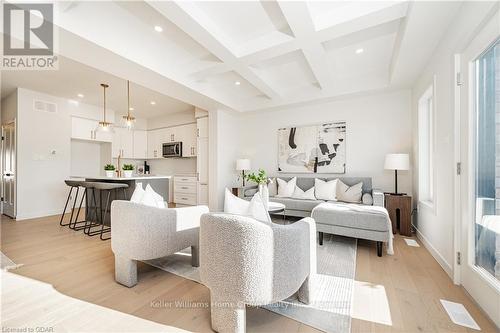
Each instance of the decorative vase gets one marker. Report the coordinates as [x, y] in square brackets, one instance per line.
[264, 193]
[128, 173]
[110, 173]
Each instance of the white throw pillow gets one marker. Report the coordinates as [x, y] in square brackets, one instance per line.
[325, 190]
[286, 189]
[349, 193]
[300, 194]
[151, 198]
[254, 208]
[235, 205]
[273, 187]
[138, 193]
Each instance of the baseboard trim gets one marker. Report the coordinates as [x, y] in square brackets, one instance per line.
[37, 215]
[435, 253]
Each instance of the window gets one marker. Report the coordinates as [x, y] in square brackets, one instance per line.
[425, 146]
[487, 160]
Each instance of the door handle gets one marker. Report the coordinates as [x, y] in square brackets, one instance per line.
[9, 174]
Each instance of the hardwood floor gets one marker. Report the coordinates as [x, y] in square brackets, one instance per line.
[397, 293]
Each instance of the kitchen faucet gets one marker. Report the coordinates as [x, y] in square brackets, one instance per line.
[119, 171]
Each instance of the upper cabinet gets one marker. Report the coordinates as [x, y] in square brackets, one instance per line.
[155, 140]
[140, 144]
[85, 129]
[187, 135]
[202, 127]
[123, 143]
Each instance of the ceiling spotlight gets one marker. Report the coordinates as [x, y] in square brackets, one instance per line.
[131, 109]
[237, 83]
[152, 103]
[359, 51]
[158, 28]
[80, 95]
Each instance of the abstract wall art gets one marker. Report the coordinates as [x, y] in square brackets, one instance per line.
[313, 149]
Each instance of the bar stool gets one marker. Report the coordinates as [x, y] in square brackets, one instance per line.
[87, 186]
[108, 188]
[73, 184]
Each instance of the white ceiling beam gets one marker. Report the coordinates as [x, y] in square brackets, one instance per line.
[191, 19]
[369, 21]
[300, 21]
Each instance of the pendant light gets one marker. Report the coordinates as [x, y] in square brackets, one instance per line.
[104, 125]
[128, 119]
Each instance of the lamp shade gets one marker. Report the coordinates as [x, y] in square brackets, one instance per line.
[397, 162]
[243, 164]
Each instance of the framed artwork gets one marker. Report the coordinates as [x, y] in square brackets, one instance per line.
[313, 149]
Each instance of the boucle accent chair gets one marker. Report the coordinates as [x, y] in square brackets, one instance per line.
[245, 261]
[142, 233]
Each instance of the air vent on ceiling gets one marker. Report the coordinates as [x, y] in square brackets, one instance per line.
[39, 105]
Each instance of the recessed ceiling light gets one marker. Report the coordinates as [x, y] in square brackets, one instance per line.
[359, 51]
[131, 109]
[158, 28]
[152, 103]
[237, 83]
[81, 95]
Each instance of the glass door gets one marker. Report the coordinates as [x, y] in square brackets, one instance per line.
[487, 162]
[479, 183]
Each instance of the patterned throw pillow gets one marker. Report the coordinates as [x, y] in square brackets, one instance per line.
[349, 193]
[286, 189]
[300, 194]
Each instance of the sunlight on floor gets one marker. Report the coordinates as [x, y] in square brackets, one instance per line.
[44, 307]
[370, 303]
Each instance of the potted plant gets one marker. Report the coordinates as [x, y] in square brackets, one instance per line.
[261, 179]
[110, 170]
[128, 169]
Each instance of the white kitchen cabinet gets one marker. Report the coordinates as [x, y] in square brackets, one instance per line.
[202, 127]
[123, 143]
[202, 194]
[85, 129]
[187, 135]
[202, 160]
[154, 144]
[140, 144]
[185, 190]
[103, 136]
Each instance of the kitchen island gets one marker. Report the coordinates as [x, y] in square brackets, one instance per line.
[160, 185]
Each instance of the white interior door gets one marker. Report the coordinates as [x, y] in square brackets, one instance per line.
[480, 178]
[9, 169]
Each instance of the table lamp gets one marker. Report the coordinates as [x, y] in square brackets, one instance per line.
[243, 164]
[397, 162]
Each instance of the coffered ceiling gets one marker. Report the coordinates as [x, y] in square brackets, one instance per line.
[255, 55]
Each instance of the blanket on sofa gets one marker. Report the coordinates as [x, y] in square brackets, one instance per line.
[363, 209]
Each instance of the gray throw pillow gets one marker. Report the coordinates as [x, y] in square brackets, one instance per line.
[367, 199]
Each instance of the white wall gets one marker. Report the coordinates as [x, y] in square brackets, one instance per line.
[436, 226]
[224, 148]
[44, 152]
[85, 158]
[9, 108]
[376, 125]
[172, 119]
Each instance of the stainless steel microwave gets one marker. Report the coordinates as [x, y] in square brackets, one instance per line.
[172, 149]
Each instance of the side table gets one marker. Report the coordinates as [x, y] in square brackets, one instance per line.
[399, 208]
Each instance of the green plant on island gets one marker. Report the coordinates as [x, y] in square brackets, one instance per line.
[109, 167]
[128, 167]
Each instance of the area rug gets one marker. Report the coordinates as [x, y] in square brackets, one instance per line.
[6, 263]
[330, 312]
